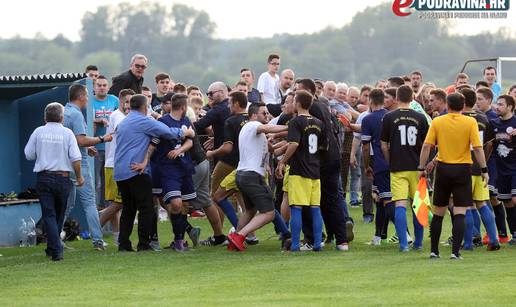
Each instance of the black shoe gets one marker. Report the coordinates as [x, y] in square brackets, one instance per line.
[142, 248]
[349, 231]
[57, 257]
[125, 249]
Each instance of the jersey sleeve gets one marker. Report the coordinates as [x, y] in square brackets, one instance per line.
[229, 132]
[431, 136]
[366, 131]
[474, 137]
[294, 133]
[386, 129]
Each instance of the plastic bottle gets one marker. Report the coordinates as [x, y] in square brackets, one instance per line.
[22, 232]
[31, 232]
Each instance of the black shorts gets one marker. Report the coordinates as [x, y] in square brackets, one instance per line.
[255, 191]
[453, 179]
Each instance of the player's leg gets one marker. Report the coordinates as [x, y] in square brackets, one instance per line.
[441, 198]
[400, 191]
[221, 197]
[462, 199]
[317, 221]
[220, 171]
[299, 196]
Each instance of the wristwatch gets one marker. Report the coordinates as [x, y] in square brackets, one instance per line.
[101, 138]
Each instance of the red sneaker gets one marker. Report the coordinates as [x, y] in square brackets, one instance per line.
[237, 240]
[197, 213]
[485, 240]
[503, 240]
[231, 247]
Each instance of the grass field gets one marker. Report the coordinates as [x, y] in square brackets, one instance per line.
[262, 275]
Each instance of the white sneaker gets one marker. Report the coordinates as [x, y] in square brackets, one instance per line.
[343, 247]
[376, 241]
[306, 247]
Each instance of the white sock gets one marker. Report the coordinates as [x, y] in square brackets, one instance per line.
[115, 237]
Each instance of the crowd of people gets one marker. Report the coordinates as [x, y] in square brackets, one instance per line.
[283, 153]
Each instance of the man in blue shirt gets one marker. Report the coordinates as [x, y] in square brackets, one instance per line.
[379, 172]
[134, 135]
[74, 120]
[103, 105]
[490, 77]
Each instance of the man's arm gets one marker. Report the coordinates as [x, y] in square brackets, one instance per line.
[271, 129]
[187, 145]
[291, 149]
[30, 148]
[87, 141]
[140, 167]
[78, 175]
[481, 159]
[159, 129]
[423, 158]
[225, 149]
[205, 121]
[354, 148]
[385, 151]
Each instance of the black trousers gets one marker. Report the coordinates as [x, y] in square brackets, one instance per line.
[136, 197]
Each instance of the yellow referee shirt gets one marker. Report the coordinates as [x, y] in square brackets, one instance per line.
[455, 134]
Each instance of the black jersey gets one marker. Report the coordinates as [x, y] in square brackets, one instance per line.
[486, 135]
[405, 131]
[284, 119]
[156, 104]
[232, 128]
[307, 132]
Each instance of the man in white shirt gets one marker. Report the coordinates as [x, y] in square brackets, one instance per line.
[111, 193]
[56, 152]
[268, 83]
[250, 176]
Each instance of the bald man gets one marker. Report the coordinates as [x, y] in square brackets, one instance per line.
[286, 82]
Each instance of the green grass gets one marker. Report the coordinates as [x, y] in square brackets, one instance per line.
[262, 275]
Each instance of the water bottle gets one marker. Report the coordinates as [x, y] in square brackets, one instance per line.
[22, 232]
[31, 232]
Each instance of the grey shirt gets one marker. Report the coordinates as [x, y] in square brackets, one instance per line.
[54, 148]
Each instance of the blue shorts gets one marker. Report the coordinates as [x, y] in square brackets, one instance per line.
[382, 185]
[506, 186]
[493, 174]
[177, 185]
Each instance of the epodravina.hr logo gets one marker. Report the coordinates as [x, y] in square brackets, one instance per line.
[403, 7]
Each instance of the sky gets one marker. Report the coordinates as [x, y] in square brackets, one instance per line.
[234, 18]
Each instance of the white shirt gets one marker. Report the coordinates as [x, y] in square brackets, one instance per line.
[253, 149]
[269, 87]
[114, 119]
[54, 147]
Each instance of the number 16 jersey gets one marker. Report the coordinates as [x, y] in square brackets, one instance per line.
[405, 131]
[305, 131]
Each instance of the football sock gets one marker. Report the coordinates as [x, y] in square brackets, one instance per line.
[476, 222]
[458, 232]
[229, 211]
[389, 212]
[380, 218]
[489, 223]
[511, 216]
[435, 233]
[295, 226]
[317, 224]
[468, 233]
[418, 231]
[279, 223]
[400, 222]
[499, 212]
[178, 226]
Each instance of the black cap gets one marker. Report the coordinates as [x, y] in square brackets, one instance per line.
[167, 97]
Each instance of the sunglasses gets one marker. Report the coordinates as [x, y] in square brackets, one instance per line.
[211, 93]
[140, 66]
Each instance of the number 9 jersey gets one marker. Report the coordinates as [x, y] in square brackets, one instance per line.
[305, 131]
[405, 131]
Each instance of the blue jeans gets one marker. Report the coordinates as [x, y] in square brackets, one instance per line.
[53, 190]
[100, 179]
[86, 194]
[354, 183]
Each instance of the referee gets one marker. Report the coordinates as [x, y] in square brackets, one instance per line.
[455, 135]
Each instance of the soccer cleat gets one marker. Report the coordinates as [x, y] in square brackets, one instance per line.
[194, 235]
[180, 246]
[394, 239]
[456, 257]
[376, 241]
[211, 241]
[512, 242]
[306, 247]
[485, 239]
[503, 240]
[404, 250]
[197, 214]
[367, 219]
[342, 247]
[349, 231]
[417, 248]
[238, 240]
[58, 257]
[286, 244]
[99, 245]
[354, 204]
[434, 256]
[493, 247]
[154, 245]
[231, 247]
[251, 240]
